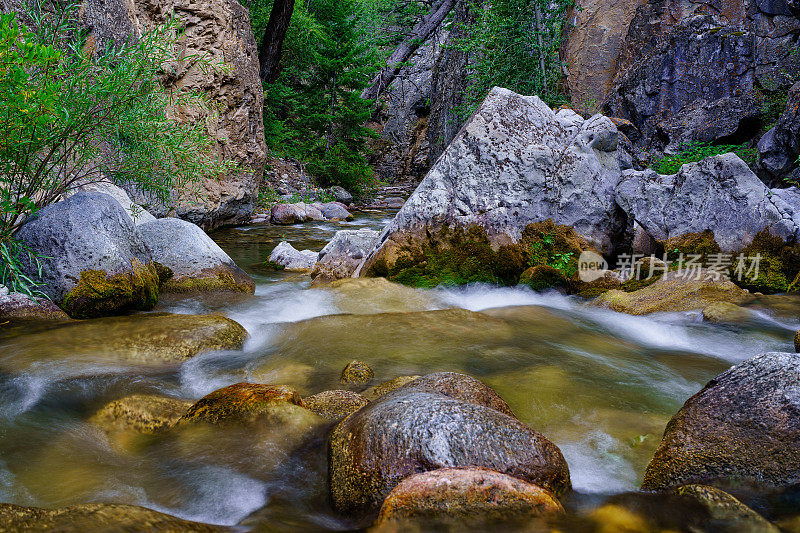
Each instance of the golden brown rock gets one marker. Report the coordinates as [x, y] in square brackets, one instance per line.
[335, 404]
[242, 402]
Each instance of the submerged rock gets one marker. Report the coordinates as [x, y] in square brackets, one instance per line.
[95, 517]
[292, 259]
[744, 426]
[728, 513]
[335, 404]
[197, 262]
[466, 495]
[138, 339]
[125, 419]
[245, 402]
[343, 254]
[675, 291]
[357, 372]
[94, 260]
[406, 432]
[18, 306]
[725, 313]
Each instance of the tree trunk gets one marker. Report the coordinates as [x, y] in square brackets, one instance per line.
[450, 80]
[269, 55]
[406, 49]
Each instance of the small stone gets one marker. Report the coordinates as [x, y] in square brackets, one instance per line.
[3, 290]
[341, 195]
[335, 404]
[291, 259]
[725, 313]
[357, 373]
[373, 393]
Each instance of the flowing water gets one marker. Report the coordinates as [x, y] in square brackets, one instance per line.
[599, 384]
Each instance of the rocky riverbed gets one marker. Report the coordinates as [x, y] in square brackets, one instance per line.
[101, 419]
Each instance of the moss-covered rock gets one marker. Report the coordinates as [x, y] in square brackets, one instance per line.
[725, 313]
[99, 294]
[373, 393]
[244, 402]
[464, 497]
[778, 266]
[335, 404]
[95, 517]
[542, 277]
[674, 291]
[743, 427]
[197, 263]
[728, 514]
[357, 373]
[456, 256]
[701, 245]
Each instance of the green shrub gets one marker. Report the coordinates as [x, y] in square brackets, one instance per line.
[694, 152]
[72, 114]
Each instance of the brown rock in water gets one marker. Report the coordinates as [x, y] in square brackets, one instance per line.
[407, 432]
[16, 306]
[674, 292]
[357, 373]
[797, 341]
[466, 495]
[729, 514]
[373, 393]
[242, 402]
[144, 413]
[725, 313]
[335, 404]
[95, 517]
[743, 427]
[461, 387]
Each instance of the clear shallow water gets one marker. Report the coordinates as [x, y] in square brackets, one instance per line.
[601, 385]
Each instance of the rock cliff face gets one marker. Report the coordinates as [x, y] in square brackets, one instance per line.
[220, 29]
[683, 71]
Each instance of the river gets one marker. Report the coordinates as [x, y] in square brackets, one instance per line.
[599, 384]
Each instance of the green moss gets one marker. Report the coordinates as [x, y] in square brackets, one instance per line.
[541, 277]
[779, 262]
[98, 294]
[700, 244]
[456, 256]
[212, 280]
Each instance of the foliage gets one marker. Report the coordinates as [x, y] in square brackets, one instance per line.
[72, 114]
[697, 151]
[515, 44]
[12, 255]
[544, 252]
[314, 111]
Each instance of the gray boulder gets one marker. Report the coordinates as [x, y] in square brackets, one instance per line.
[341, 195]
[780, 146]
[138, 214]
[197, 262]
[719, 193]
[342, 256]
[94, 260]
[335, 211]
[285, 214]
[405, 432]
[292, 259]
[744, 426]
[516, 162]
